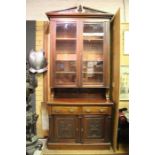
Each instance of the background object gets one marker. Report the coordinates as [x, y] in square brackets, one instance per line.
[37, 62]
[124, 82]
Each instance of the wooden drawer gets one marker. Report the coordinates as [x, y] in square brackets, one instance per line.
[96, 110]
[65, 110]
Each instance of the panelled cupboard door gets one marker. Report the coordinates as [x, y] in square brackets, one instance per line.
[66, 128]
[93, 128]
[80, 128]
[80, 53]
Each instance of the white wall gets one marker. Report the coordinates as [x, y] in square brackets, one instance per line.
[35, 9]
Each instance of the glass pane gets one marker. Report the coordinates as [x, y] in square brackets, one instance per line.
[66, 57]
[92, 78]
[66, 46]
[93, 57]
[93, 46]
[93, 31]
[66, 30]
[65, 66]
[64, 79]
[93, 67]
[92, 72]
[93, 50]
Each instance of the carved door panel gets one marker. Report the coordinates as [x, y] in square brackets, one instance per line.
[66, 128]
[93, 128]
[108, 129]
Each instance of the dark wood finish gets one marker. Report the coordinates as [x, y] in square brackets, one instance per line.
[78, 146]
[80, 123]
[87, 93]
[107, 55]
[80, 113]
[65, 109]
[80, 101]
[98, 79]
[96, 110]
[93, 128]
[73, 13]
[66, 128]
[108, 129]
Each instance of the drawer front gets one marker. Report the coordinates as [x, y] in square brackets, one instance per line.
[96, 110]
[65, 110]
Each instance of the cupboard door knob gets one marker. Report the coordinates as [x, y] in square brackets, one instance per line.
[56, 111]
[87, 110]
[101, 110]
[71, 110]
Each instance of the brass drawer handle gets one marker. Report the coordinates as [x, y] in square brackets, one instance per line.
[88, 110]
[102, 110]
[71, 110]
[56, 111]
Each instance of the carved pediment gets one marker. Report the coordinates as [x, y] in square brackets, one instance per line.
[78, 11]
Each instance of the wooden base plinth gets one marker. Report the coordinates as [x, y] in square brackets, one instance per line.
[78, 146]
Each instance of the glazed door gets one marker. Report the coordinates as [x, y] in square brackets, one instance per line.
[66, 128]
[64, 53]
[94, 54]
[80, 53]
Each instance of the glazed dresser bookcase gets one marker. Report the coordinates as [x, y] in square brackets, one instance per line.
[78, 82]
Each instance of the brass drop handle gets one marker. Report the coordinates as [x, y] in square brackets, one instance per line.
[101, 110]
[88, 110]
[71, 110]
[56, 111]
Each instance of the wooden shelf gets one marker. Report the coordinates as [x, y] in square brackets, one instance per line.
[79, 101]
[63, 72]
[94, 60]
[93, 34]
[65, 39]
[59, 52]
[93, 39]
[92, 72]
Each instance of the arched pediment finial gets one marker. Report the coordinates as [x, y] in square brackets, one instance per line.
[80, 9]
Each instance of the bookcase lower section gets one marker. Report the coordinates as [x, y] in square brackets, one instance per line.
[80, 126]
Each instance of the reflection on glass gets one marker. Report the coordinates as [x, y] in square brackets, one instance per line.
[64, 79]
[66, 30]
[66, 46]
[92, 66]
[92, 72]
[92, 57]
[92, 78]
[66, 57]
[65, 66]
[93, 46]
[93, 31]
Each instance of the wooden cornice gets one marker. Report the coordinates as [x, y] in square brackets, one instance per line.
[75, 12]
